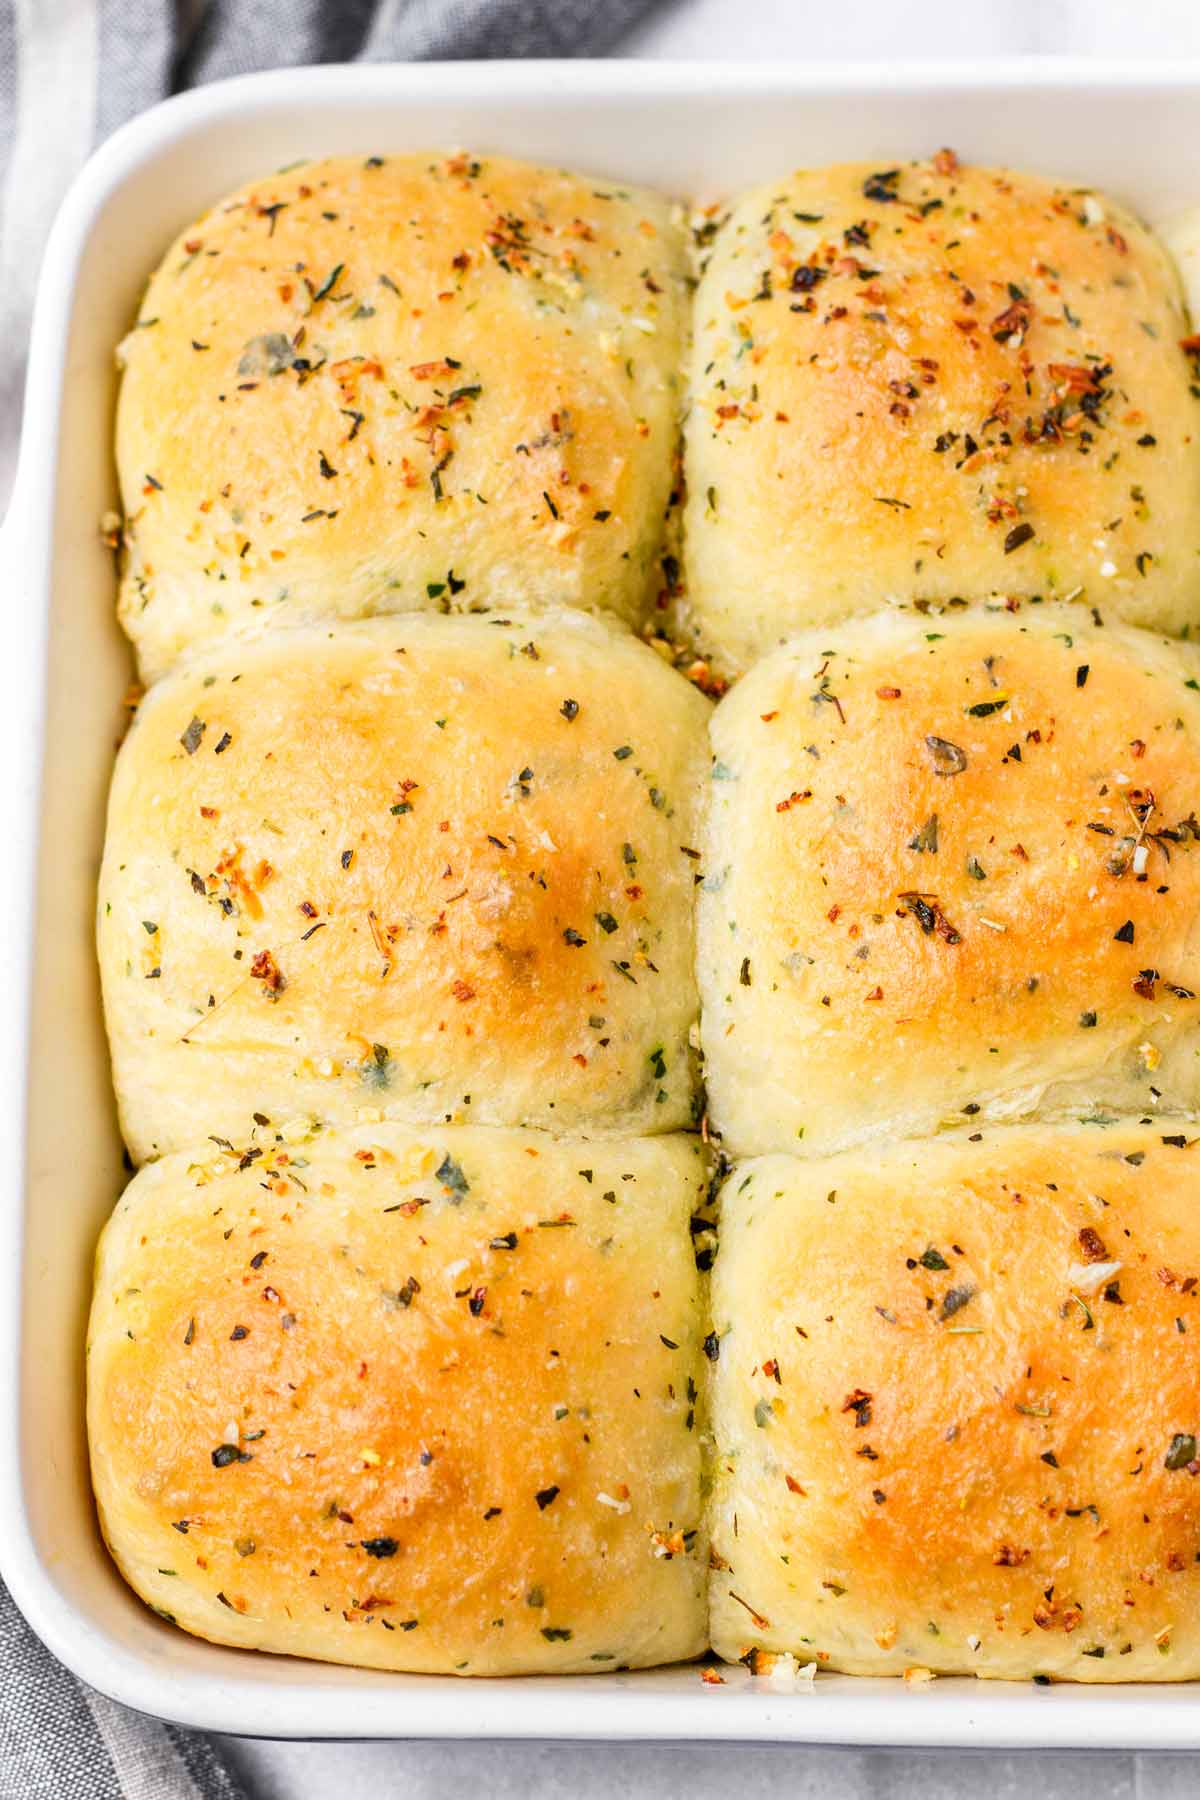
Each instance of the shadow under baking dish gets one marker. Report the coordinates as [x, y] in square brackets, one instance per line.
[695, 130]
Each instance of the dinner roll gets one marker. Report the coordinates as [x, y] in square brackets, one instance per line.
[417, 1400]
[957, 1405]
[423, 868]
[917, 383]
[375, 384]
[952, 870]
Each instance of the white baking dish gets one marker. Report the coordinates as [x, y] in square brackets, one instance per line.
[692, 129]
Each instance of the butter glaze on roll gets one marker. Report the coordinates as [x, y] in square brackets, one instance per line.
[957, 1404]
[375, 385]
[423, 868]
[952, 870]
[932, 382]
[413, 1400]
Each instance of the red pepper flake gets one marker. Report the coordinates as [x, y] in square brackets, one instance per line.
[1007, 1556]
[1091, 1245]
[887, 693]
[1013, 321]
[1074, 378]
[264, 968]
[431, 371]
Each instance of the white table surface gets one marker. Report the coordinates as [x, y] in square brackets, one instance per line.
[885, 30]
[767, 30]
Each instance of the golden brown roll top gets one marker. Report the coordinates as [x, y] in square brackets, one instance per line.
[957, 1406]
[423, 868]
[417, 1400]
[381, 384]
[952, 870]
[932, 381]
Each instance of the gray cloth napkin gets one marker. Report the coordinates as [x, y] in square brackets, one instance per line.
[70, 72]
[60, 1741]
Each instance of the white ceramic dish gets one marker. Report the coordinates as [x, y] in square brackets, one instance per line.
[697, 130]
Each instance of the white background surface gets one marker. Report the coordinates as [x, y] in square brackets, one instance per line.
[770, 30]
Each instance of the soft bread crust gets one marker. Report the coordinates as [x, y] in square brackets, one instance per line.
[974, 387]
[927, 1458]
[367, 386]
[422, 868]
[952, 870]
[450, 1381]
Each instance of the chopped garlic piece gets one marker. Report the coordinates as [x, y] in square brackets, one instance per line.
[294, 1131]
[1089, 1278]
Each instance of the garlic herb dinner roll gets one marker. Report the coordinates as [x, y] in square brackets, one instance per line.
[415, 1400]
[933, 381]
[957, 1405]
[422, 868]
[374, 384]
[952, 870]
